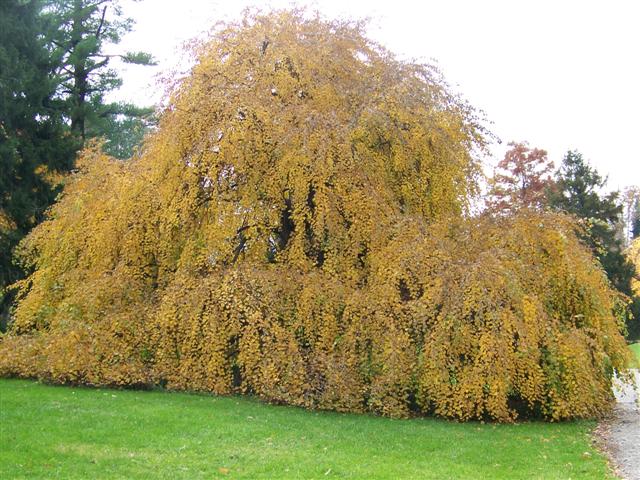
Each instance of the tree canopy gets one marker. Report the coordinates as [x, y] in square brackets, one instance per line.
[297, 229]
[521, 179]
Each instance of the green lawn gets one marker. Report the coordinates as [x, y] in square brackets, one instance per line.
[635, 348]
[64, 432]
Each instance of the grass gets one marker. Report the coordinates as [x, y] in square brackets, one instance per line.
[65, 432]
[635, 348]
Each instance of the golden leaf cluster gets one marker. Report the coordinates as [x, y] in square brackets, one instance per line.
[633, 254]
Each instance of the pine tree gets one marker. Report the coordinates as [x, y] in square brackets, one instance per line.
[77, 34]
[577, 191]
[34, 149]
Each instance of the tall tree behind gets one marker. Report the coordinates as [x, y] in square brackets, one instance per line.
[635, 219]
[630, 200]
[577, 191]
[77, 34]
[34, 148]
[633, 254]
[520, 179]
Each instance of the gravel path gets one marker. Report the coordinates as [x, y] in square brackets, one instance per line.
[620, 434]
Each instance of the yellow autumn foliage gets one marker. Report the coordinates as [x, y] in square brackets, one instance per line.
[297, 230]
[6, 224]
[633, 254]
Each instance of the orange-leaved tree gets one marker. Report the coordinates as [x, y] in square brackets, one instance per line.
[297, 229]
[521, 179]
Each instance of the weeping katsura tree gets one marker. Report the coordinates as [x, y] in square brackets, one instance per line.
[298, 229]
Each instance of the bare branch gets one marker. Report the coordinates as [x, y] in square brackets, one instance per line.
[99, 30]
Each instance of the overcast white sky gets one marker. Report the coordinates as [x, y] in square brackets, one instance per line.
[560, 74]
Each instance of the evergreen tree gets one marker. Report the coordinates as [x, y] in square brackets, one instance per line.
[34, 149]
[77, 34]
[577, 191]
[123, 133]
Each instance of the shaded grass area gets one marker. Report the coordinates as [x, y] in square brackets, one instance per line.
[635, 348]
[65, 432]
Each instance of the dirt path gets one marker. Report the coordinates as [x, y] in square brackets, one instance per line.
[620, 434]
